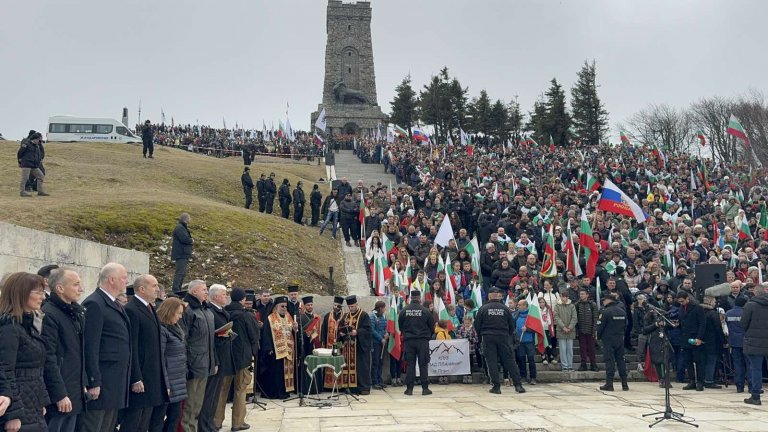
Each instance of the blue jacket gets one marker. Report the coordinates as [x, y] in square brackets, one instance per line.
[735, 331]
[520, 322]
[378, 327]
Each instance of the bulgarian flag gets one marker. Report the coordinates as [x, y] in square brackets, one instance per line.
[551, 144]
[361, 215]
[450, 289]
[744, 231]
[624, 138]
[442, 312]
[388, 246]
[718, 240]
[763, 221]
[736, 129]
[588, 245]
[281, 130]
[534, 323]
[548, 267]
[408, 276]
[380, 274]
[592, 183]
[701, 137]
[394, 348]
[477, 295]
[669, 263]
[400, 131]
[573, 258]
[473, 249]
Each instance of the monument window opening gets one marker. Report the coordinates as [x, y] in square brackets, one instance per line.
[350, 67]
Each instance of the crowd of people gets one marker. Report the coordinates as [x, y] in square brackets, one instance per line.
[223, 142]
[506, 204]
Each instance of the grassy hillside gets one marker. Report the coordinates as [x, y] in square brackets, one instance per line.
[108, 193]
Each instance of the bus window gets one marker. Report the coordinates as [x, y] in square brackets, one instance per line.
[122, 131]
[80, 128]
[57, 128]
[103, 129]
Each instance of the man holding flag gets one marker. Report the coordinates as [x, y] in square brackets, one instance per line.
[495, 326]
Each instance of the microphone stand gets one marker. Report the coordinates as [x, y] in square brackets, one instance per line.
[298, 347]
[668, 413]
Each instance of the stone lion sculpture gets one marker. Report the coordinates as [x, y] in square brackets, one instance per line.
[347, 95]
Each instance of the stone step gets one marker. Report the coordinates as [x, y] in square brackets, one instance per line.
[554, 377]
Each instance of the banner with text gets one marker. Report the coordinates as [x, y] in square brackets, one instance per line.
[448, 357]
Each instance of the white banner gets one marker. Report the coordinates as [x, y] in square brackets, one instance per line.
[448, 357]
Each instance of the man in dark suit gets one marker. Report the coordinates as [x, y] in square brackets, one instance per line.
[147, 401]
[217, 299]
[107, 348]
[692, 328]
[63, 336]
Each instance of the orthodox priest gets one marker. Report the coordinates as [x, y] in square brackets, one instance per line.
[355, 331]
[276, 369]
[328, 334]
[310, 327]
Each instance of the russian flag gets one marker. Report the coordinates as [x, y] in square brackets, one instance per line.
[420, 136]
[613, 200]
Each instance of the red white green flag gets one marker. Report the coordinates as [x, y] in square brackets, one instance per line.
[572, 263]
[548, 266]
[394, 347]
[442, 312]
[380, 273]
[736, 129]
[388, 246]
[588, 245]
[551, 144]
[534, 323]
[701, 137]
[624, 138]
[450, 287]
[744, 231]
[592, 183]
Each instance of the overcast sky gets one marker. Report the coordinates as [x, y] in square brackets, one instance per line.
[244, 59]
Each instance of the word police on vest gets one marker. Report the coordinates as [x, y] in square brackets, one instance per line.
[497, 312]
[413, 313]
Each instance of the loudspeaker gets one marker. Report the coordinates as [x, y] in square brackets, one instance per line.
[707, 275]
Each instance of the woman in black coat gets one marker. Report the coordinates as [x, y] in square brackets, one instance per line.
[63, 335]
[23, 356]
[174, 354]
[656, 344]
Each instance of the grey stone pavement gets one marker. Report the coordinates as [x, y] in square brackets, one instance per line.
[349, 166]
[545, 407]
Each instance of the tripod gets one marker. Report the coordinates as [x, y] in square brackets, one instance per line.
[667, 414]
[298, 347]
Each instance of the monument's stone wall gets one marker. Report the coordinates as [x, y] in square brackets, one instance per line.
[349, 59]
[25, 249]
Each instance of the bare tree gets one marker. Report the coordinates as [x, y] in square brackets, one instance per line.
[711, 115]
[661, 125]
[752, 112]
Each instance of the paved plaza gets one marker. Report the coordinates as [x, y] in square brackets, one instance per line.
[545, 407]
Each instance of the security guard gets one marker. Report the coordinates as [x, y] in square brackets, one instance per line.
[247, 182]
[416, 324]
[610, 329]
[496, 327]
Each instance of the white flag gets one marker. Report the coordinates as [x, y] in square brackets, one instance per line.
[390, 135]
[450, 141]
[289, 131]
[320, 123]
[445, 233]
[464, 137]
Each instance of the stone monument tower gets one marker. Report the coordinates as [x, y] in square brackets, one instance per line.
[349, 91]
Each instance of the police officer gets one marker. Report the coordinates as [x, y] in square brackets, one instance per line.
[416, 324]
[496, 328]
[260, 186]
[610, 329]
[247, 182]
[270, 189]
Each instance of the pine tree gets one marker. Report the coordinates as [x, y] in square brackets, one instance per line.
[515, 121]
[557, 119]
[499, 121]
[404, 105]
[480, 110]
[590, 119]
[538, 122]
